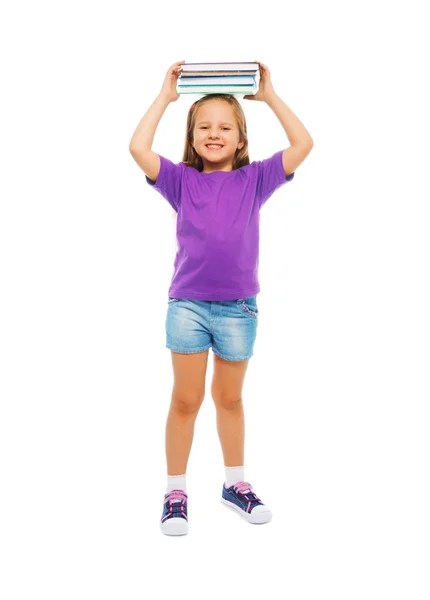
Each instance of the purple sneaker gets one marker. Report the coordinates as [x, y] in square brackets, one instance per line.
[240, 498]
[174, 520]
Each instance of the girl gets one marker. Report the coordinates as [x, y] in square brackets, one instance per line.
[217, 194]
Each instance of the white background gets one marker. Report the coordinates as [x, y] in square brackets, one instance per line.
[336, 395]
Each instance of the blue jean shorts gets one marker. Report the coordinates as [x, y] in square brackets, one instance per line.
[229, 326]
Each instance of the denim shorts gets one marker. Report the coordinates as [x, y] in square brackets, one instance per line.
[229, 326]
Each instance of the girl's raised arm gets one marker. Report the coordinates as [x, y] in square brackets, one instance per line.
[299, 137]
[141, 142]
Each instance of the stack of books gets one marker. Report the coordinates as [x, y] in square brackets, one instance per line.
[219, 78]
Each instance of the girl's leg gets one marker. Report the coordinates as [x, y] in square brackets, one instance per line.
[187, 397]
[226, 391]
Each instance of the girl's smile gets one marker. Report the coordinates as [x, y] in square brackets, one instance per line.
[216, 136]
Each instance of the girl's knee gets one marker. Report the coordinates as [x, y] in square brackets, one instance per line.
[186, 404]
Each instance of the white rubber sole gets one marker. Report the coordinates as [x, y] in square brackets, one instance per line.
[257, 518]
[174, 526]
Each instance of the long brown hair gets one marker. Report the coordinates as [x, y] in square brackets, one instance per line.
[190, 156]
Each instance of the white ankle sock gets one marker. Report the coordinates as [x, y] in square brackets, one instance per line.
[233, 475]
[176, 482]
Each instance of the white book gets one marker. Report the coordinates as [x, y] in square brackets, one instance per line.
[218, 89]
[216, 81]
[222, 66]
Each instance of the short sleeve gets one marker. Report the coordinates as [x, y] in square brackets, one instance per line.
[169, 181]
[271, 176]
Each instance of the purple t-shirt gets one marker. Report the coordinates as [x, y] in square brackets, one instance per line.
[217, 226]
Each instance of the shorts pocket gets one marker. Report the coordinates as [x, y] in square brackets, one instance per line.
[248, 306]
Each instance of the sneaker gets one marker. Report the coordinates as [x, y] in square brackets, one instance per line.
[174, 520]
[240, 498]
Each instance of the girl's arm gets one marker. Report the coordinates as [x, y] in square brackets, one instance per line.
[143, 137]
[298, 136]
[141, 142]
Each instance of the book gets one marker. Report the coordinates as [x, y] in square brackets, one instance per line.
[224, 77]
[223, 66]
[214, 89]
[221, 80]
[189, 74]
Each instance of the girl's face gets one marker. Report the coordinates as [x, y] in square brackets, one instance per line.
[215, 124]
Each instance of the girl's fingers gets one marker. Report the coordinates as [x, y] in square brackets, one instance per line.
[176, 65]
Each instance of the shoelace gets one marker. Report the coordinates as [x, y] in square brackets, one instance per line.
[245, 489]
[175, 500]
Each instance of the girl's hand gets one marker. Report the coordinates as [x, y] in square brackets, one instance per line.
[168, 89]
[265, 87]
